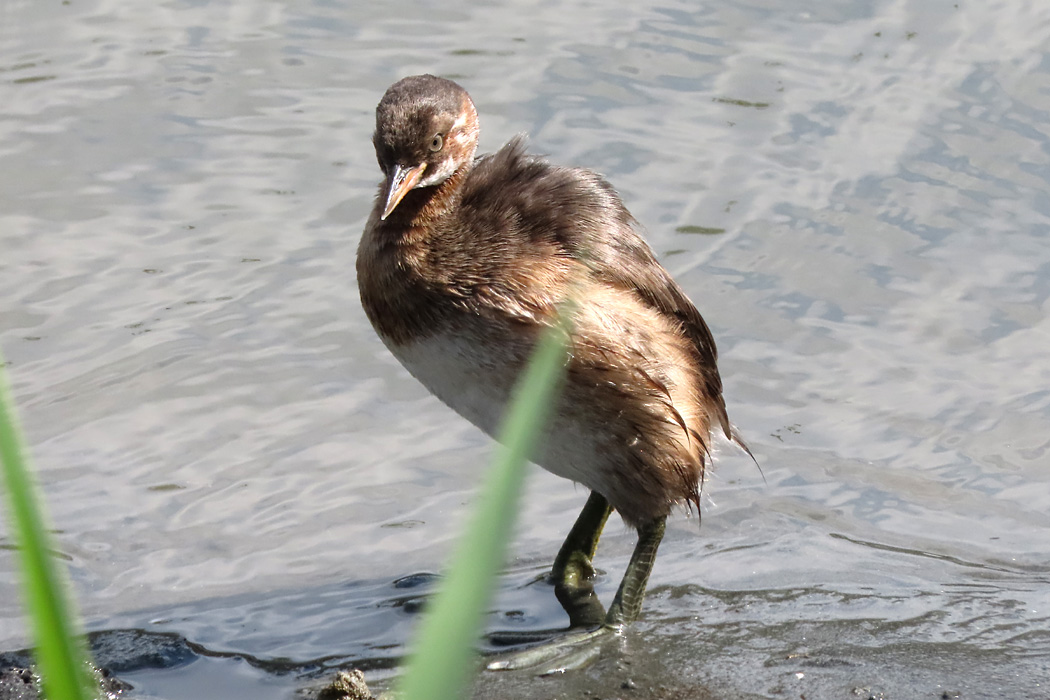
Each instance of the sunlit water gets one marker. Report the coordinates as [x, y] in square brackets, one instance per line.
[230, 454]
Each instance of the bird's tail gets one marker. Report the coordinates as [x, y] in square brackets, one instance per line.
[734, 436]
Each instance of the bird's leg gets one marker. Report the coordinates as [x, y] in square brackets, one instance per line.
[573, 576]
[573, 572]
[628, 601]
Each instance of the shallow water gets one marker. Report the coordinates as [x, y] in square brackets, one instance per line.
[230, 455]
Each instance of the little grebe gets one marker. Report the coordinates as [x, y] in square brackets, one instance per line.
[465, 260]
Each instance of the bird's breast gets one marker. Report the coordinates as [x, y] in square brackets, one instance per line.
[472, 367]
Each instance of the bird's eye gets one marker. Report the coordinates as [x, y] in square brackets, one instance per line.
[437, 143]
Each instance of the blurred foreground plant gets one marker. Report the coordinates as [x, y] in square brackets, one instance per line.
[444, 659]
[60, 655]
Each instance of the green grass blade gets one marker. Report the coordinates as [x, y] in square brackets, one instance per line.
[444, 660]
[60, 656]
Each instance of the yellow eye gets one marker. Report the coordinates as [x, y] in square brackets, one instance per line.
[437, 143]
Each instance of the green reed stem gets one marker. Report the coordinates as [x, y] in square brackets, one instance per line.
[60, 655]
[444, 660]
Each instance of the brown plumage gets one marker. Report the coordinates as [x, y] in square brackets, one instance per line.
[463, 261]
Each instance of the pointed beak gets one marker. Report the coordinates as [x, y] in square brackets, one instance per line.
[401, 181]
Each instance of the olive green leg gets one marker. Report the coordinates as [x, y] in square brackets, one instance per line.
[573, 572]
[573, 565]
[628, 601]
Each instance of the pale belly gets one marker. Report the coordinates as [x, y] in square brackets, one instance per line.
[477, 383]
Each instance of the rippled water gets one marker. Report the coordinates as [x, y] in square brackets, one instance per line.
[231, 455]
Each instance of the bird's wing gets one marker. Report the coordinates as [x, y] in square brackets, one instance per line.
[627, 261]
